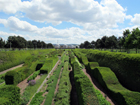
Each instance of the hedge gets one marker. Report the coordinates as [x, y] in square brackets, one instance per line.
[48, 65]
[85, 91]
[12, 58]
[10, 95]
[19, 74]
[125, 66]
[91, 66]
[110, 82]
[63, 95]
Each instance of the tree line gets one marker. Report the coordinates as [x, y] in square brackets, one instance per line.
[129, 40]
[20, 42]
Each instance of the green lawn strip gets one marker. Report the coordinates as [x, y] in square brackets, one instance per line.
[30, 90]
[52, 85]
[63, 95]
[110, 82]
[37, 99]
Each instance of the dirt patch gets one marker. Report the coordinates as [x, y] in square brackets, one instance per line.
[100, 88]
[11, 69]
[22, 85]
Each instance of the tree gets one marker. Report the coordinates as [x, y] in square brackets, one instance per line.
[133, 39]
[87, 44]
[34, 43]
[2, 43]
[49, 45]
[98, 43]
[82, 45]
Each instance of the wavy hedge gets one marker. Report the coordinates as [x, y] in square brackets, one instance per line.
[110, 82]
[125, 66]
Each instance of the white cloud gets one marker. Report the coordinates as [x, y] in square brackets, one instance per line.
[136, 19]
[97, 19]
[104, 15]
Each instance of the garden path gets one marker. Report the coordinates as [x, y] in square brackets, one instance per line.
[11, 68]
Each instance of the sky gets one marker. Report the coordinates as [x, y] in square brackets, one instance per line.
[67, 21]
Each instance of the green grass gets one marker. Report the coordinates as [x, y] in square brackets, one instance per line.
[63, 95]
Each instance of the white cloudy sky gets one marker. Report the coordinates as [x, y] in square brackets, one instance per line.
[68, 21]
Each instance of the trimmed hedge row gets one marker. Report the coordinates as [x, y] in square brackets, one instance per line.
[10, 95]
[48, 65]
[63, 95]
[125, 66]
[12, 58]
[82, 84]
[85, 91]
[110, 82]
[18, 75]
[32, 77]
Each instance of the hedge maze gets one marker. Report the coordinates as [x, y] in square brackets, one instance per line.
[49, 70]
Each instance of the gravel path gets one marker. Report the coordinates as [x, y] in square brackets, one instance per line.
[44, 80]
[11, 68]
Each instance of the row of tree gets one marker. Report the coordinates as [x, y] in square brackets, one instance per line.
[20, 42]
[129, 40]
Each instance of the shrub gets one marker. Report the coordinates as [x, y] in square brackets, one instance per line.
[110, 82]
[12, 95]
[32, 82]
[37, 99]
[125, 66]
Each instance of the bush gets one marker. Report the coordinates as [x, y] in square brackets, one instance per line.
[32, 82]
[91, 66]
[110, 82]
[12, 95]
[32, 77]
[125, 66]
[84, 87]
[37, 99]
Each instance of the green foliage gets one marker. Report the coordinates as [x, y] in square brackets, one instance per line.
[30, 90]
[37, 99]
[102, 100]
[91, 66]
[63, 95]
[86, 92]
[125, 66]
[2, 78]
[52, 85]
[12, 58]
[11, 94]
[110, 82]
[32, 77]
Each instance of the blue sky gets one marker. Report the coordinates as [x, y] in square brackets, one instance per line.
[68, 21]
